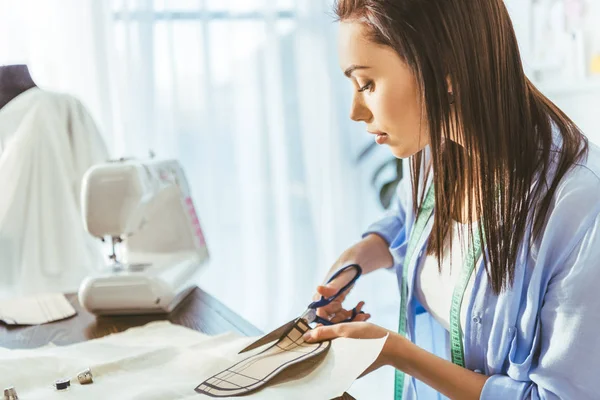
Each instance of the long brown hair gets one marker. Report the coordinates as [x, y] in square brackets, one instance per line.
[505, 123]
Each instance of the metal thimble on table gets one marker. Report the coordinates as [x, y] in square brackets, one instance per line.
[85, 377]
[10, 394]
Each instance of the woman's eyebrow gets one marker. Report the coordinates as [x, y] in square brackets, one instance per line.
[348, 72]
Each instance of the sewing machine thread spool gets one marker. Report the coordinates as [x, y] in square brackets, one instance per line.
[10, 394]
[62, 384]
[85, 377]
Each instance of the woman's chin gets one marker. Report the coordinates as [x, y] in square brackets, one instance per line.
[401, 152]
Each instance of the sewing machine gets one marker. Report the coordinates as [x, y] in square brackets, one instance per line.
[143, 210]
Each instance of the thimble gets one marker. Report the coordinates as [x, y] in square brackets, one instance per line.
[10, 394]
[85, 377]
[62, 384]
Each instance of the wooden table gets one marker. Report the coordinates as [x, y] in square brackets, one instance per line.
[198, 311]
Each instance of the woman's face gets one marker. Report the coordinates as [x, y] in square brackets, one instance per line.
[386, 96]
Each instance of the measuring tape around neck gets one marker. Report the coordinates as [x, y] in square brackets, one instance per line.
[473, 254]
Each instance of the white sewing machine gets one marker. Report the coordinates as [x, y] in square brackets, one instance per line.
[145, 210]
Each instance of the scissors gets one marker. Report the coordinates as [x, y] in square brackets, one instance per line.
[310, 315]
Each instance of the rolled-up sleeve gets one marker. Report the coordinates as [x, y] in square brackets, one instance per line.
[394, 220]
[393, 227]
[567, 356]
[388, 227]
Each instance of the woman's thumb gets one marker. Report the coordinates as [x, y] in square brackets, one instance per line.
[326, 291]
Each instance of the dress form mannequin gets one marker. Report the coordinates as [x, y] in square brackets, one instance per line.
[48, 140]
[14, 80]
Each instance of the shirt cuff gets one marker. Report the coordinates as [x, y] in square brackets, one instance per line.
[386, 228]
[502, 387]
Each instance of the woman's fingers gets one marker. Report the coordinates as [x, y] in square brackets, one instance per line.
[343, 295]
[359, 306]
[340, 316]
[326, 291]
[330, 290]
[334, 307]
[362, 317]
[343, 314]
[330, 309]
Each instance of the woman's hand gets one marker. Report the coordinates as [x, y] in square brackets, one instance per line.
[359, 330]
[334, 311]
[353, 330]
[371, 253]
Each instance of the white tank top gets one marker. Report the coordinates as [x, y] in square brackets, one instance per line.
[434, 289]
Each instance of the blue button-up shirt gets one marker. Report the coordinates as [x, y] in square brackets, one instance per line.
[540, 339]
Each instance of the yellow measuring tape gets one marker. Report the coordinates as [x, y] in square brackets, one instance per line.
[473, 254]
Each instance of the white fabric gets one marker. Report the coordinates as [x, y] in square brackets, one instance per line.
[161, 361]
[434, 289]
[48, 141]
[35, 310]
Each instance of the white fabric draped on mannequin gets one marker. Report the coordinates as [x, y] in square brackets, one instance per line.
[47, 142]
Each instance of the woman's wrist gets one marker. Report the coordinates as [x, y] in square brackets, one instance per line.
[397, 351]
[371, 253]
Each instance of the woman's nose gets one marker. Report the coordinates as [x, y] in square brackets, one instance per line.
[359, 112]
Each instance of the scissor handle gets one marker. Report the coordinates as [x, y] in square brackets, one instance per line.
[323, 301]
[324, 321]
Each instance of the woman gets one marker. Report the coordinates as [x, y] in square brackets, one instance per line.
[497, 231]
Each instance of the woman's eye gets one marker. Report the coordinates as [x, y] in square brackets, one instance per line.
[367, 86]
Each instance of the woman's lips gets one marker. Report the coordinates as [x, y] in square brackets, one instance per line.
[380, 137]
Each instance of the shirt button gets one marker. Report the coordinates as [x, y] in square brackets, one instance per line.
[476, 319]
[477, 371]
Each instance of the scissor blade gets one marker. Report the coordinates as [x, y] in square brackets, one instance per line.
[275, 335]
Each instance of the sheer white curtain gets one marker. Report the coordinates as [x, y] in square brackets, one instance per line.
[242, 93]
[249, 96]
[63, 44]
